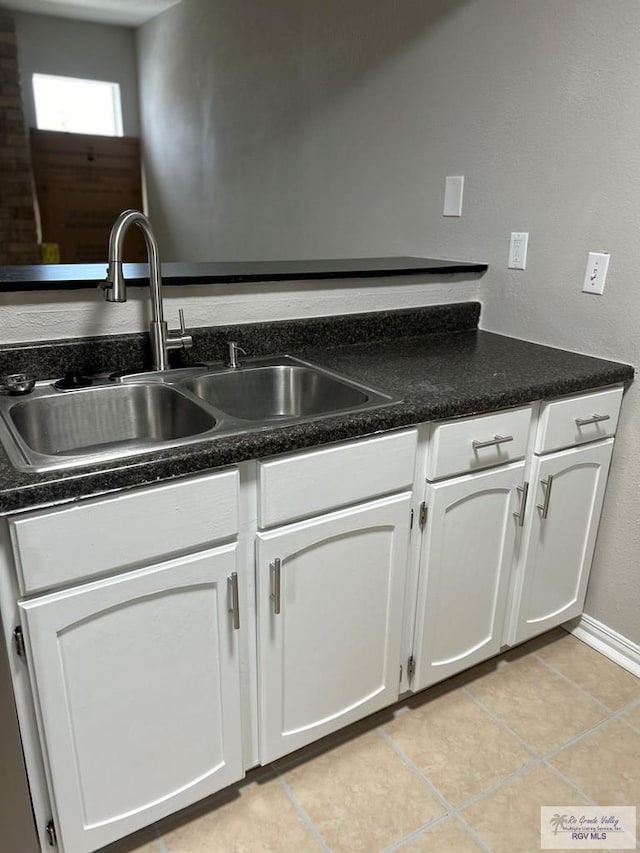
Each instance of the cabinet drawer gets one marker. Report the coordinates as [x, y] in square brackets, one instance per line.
[61, 546]
[469, 444]
[321, 480]
[575, 420]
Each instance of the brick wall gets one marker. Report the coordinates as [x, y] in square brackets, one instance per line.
[18, 239]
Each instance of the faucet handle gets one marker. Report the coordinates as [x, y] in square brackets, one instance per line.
[179, 339]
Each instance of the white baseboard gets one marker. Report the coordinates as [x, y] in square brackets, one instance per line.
[617, 648]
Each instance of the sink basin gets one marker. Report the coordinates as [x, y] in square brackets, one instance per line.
[105, 422]
[276, 392]
[51, 430]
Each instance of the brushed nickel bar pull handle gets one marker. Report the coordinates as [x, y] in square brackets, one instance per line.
[232, 589]
[497, 439]
[594, 419]
[546, 485]
[523, 491]
[275, 569]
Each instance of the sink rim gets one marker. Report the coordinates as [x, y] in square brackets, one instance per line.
[25, 459]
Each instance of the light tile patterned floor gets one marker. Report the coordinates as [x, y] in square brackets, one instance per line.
[463, 767]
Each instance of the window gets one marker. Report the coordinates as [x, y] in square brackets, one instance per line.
[77, 106]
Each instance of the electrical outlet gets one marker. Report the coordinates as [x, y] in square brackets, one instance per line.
[596, 274]
[518, 250]
[453, 189]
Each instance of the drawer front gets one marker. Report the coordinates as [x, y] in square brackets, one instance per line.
[470, 444]
[576, 420]
[62, 546]
[310, 483]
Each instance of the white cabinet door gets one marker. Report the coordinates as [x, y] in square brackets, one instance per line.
[330, 606]
[137, 684]
[558, 549]
[465, 572]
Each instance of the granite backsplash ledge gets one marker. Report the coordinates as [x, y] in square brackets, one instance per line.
[132, 352]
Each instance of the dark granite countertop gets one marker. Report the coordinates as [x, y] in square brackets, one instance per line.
[80, 276]
[437, 375]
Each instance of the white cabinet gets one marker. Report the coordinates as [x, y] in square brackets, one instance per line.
[330, 602]
[566, 495]
[137, 685]
[465, 571]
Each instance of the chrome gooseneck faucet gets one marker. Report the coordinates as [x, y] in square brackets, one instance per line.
[163, 339]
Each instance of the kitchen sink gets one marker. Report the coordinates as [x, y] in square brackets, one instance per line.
[51, 429]
[99, 423]
[276, 392]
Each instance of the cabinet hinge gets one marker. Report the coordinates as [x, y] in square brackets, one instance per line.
[411, 522]
[50, 831]
[400, 672]
[18, 641]
[411, 667]
[423, 515]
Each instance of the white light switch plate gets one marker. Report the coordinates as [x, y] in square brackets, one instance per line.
[453, 189]
[596, 274]
[518, 246]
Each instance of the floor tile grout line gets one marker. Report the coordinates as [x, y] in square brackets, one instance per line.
[568, 781]
[451, 810]
[496, 719]
[577, 788]
[516, 774]
[161, 847]
[472, 832]
[411, 836]
[553, 752]
[574, 740]
[573, 683]
[303, 814]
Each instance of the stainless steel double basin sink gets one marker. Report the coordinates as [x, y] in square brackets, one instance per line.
[51, 429]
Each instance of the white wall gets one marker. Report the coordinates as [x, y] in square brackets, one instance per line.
[48, 45]
[290, 129]
[538, 104]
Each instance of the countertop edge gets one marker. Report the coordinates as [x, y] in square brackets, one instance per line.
[200, 458]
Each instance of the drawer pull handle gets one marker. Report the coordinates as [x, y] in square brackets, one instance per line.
[497, 439]
[275, 569]
[546, 485]
[232, 590]
[594, 419]
[523, 491]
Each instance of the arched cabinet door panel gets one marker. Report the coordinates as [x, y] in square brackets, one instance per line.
[330, 602]
[465, 571]
[137, 684]
[566, 496]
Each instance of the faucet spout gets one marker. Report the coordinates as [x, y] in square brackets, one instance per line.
[115, 286]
